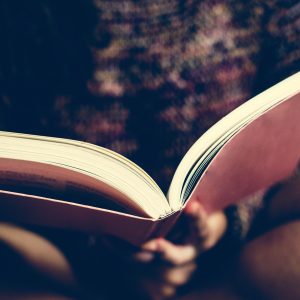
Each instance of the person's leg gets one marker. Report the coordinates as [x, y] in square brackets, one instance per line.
[219, 292]
[37, 262]
[37, 252]
[14, 295]
[32, 265]
[270, 264]
[267, 267]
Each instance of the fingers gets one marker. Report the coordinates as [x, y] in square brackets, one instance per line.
[176, 254]
[171, 253]
[158, 291]
[143, 256]
[196, 210]
[217, 224]
[151, 245]
[164, 284]
[178, 275]
[198, 218]
[205, 230]
[147, 253]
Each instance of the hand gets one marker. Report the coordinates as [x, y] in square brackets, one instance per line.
[177, 259]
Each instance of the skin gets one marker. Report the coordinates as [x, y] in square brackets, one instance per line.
[205, 232]
[266, 268]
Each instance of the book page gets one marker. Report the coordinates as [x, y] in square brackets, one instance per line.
[261, 154]
[97, 168]
[208, 145]
[50, 181]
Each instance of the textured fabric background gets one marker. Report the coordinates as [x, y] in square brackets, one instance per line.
[143, 78]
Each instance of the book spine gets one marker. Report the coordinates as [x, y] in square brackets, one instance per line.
[163, 226]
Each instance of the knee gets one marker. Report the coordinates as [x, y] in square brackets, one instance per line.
[33, 253]
[269, 265]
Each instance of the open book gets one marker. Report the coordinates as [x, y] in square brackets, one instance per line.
[80, 186]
